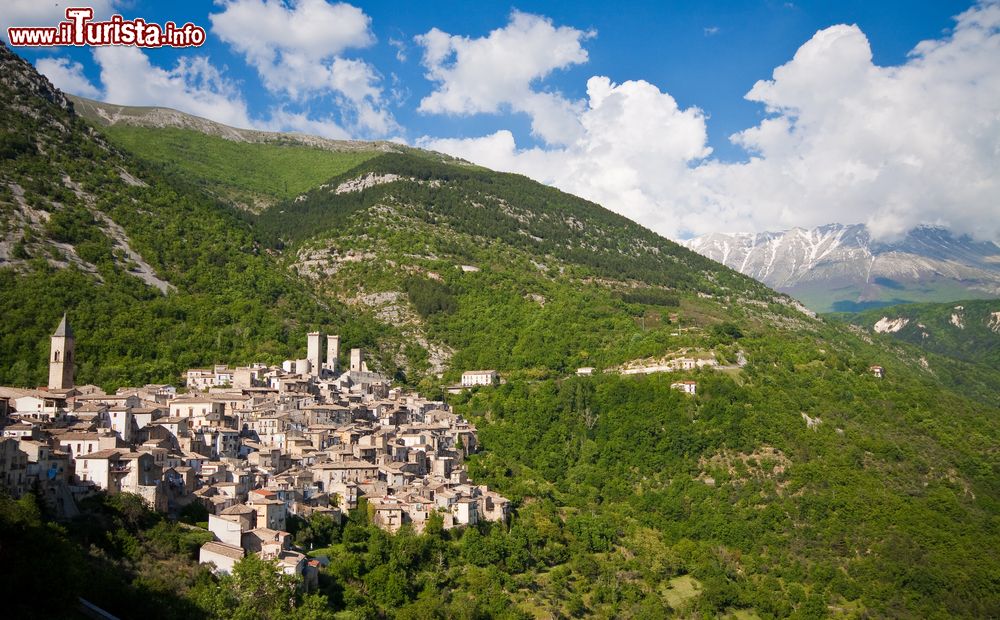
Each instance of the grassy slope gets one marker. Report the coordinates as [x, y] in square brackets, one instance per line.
[550, 293]
[243, 172]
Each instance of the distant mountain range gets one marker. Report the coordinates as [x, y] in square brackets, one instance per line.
[841, 268]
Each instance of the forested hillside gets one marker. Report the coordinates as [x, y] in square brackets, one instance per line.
[794, 483]
[90, 230]
[965, 330]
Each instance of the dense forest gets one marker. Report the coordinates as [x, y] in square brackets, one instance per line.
[230, 300]
[965, 330]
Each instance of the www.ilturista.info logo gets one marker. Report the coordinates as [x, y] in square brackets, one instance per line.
[80, 29]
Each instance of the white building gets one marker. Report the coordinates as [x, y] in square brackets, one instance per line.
[472, 378]
[688, 387]
[224, 556]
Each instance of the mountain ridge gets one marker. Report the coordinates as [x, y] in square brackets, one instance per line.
[840, 267]
[111, 114]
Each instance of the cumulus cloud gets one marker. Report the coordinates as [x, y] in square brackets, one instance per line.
[283, 120]
[297, 49]
[501, 70]
[193, 85]
[634, 149]
[844, 140]
[892, 147]
[68, 76]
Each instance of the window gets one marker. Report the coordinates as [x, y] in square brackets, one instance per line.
[55, 356]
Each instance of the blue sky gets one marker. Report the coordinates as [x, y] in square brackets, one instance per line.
[687, 67]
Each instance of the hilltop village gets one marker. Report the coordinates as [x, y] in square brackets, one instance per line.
[253, 444]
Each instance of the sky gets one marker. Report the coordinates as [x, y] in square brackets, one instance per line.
[687, 117]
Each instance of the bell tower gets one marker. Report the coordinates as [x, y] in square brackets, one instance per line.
[61, 357]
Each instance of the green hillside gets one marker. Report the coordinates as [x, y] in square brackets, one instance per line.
[965, 330]
[793, 484]
[251, 174]
[62, 190]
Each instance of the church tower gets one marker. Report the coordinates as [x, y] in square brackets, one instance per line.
[61, 357]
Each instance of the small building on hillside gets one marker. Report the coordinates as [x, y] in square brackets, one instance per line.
[877, 371]
[224, 556]
[688, 387]
[472, 378]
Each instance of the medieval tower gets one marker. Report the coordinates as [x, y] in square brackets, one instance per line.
[61, 357]
[314, 352]
[332, 352]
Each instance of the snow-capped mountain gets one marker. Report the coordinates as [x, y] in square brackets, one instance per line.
[840, 267]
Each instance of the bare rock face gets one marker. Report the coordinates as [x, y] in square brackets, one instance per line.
[885, 325]
[18, 76]
[994, 322]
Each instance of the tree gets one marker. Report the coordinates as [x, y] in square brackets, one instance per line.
[257, 588]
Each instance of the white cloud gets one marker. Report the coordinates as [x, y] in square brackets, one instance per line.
[42, 13]
[68, 76]
[486, 74]
[283, 120]
[400, 47]
[844, 140]
[893, 147]
[193, 85]
[297, 50]
[634, 149]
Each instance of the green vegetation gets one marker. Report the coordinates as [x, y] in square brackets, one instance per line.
[430, 297]
[972, 336]
[233, 301]
[254, 174]
[116, 554]
[504, 208]
[887, 505]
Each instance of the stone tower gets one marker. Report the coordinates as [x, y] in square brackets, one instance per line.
[61, 357]
[314, 352]
[358, 361]
[332, 352]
